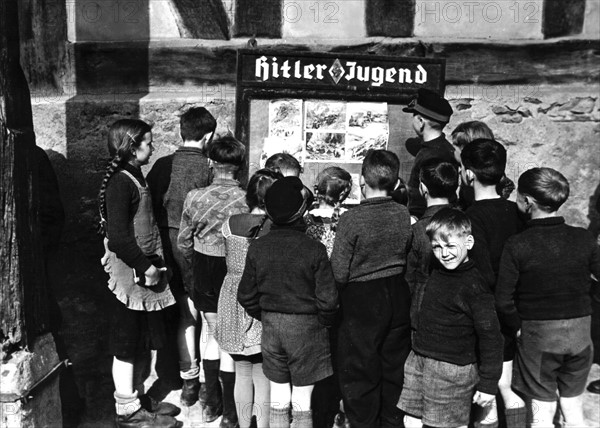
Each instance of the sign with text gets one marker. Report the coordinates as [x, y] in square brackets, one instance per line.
[339, 72]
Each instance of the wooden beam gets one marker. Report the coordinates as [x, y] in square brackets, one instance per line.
[202, 19]
[390, 18]
[258, 18]
[23, 312]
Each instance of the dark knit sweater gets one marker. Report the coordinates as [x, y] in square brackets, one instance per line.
[493, 221]
[458, 323]
[437, 148]
[545, 273]
[170, 180]
[372, 241]
[288, 272]
[122, 202]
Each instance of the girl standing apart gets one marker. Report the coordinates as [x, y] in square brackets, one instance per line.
[137, 275]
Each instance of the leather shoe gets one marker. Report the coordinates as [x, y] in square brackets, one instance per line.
[159, 407]
[189, 392]
[144, 419]
[211, 414]
[594, 387]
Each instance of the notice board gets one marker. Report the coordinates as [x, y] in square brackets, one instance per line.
[328, 108]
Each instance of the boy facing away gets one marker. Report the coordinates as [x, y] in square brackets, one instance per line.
[170, 180]
[457, 349]
[493, 219]
[202, 244]
[438, 181]
[543, 296]
[288, 284]
[368, 261]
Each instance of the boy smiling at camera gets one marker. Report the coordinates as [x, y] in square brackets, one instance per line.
[457, 351]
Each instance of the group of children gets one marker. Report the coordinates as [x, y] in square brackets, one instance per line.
[423, 313]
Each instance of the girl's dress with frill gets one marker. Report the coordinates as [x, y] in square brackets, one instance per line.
[122, 281]
[236, 331]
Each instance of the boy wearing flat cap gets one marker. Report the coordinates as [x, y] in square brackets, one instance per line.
[431, 113]
[288, 284]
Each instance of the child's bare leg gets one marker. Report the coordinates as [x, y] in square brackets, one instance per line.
[412, 422]
[543, 413]
[281, 396]
[126, 398]
[301, 411]
[514, 406]
[186, 340]
[572, 410]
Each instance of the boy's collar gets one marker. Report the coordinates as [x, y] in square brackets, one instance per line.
[375, 200]
[546, 221]
[464, 266]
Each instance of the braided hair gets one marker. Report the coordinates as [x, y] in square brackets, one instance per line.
[333, 187]
[123, 136]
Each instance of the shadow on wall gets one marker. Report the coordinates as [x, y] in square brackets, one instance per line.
[80, 282]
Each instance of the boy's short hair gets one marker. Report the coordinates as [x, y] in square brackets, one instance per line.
[195, 123]
[380, 169]
[440, 176]
[227, 150]
[447, 222]
[283, 161]
[466, 132]
[548, 187]
[487, 159]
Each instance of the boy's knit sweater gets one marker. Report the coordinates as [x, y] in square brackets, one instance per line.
[372, 241]
[493, 221]
[545, 273]
[204, 212]
[458, 323]
[170, 180]
[288, 272]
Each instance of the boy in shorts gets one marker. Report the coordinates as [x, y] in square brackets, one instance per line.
[288, 284]
[543, 296]
[203, 245]
[368, 261]
[457, 349]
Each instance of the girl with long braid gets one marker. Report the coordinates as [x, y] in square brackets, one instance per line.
[137, 275]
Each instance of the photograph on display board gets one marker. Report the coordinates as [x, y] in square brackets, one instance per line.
[285, 130]
[325, 146]
[368, 129]
[285, 118]
[325, 115]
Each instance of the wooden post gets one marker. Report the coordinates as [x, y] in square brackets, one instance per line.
[23, 295]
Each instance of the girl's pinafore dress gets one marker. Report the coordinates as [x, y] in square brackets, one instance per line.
[236, 331]
[122, 278]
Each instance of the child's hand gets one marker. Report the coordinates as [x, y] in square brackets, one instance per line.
[518, 334]
[482, 399]
[153, 275]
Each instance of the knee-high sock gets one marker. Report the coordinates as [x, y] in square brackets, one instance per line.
[228, 382]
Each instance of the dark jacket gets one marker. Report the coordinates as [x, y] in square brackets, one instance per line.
[545, 273]
[288, 272]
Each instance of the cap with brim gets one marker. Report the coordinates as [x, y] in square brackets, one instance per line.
[431, 105]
